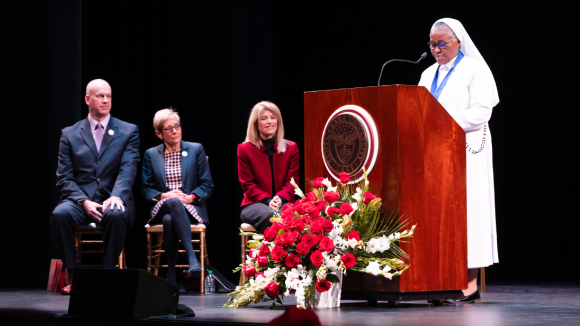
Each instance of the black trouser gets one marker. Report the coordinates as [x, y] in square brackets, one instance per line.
[258, 215]
[68, 215]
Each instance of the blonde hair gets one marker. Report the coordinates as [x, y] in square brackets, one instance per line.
[253, 135]
[163, 115]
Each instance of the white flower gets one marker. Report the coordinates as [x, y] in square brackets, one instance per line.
[391, 237]
[357, 197]
[352, 242]
[299, 193]
[373, 268]
[258, 237]
[410, 233]
[366, 183]
[388, 275]
[321, 273]
[331, 189]
[383, 244]
[397, 235]
[359, 191]
[326, 182]
[307, 281]
[404, 232]
[372, 246]
[354, 208]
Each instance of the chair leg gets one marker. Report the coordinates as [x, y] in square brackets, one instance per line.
[203, 257]
[158, 246]
[149, 252]
[482, 279]
[244, 244]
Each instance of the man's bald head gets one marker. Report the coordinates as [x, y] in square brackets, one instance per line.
[98, 98]
[97, 83]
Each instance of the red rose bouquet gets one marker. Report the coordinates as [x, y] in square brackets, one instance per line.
[328, 231]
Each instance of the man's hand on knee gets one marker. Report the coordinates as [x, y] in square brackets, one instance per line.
[91, 210]
[114, 201]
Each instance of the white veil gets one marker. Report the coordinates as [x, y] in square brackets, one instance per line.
[468, 48]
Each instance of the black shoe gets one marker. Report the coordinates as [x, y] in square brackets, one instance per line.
[194, 275]
[472, 298]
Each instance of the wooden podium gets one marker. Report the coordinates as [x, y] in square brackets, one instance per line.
[419, 171]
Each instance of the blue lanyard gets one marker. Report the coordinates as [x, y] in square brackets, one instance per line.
[436, 91]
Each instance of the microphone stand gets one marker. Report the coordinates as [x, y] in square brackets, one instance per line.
[401, 60]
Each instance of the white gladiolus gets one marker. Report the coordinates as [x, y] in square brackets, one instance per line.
[397, 235]
[321, 273]
[383, 244]
[410, 233]
[327, 183]
[357, 197]
[299, 193]
[404, 232]
[388, 275]
[331, 189]
[366, 183]
[391, 237]
[307, 281]
[373, 268]
[354, 208]
[372, 246]
[352, 242]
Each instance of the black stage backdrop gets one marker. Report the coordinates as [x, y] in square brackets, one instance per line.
[214, 60]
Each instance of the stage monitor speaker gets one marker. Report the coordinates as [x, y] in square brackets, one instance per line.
[121, 293]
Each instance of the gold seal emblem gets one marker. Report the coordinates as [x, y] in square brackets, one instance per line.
[345, 145]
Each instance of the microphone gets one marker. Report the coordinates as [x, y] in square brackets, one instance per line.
[421, 58]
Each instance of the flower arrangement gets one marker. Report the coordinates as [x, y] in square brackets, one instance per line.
[329, 230]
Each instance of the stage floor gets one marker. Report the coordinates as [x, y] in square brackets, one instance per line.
[501, 305]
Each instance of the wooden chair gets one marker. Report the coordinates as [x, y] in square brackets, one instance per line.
[155, 249]
[88, 229]
[245, 250]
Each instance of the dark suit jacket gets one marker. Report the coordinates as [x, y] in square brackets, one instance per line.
[256, 177]
[81, 168]
[195, 175]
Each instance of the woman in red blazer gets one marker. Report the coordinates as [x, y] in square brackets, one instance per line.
[266, 164]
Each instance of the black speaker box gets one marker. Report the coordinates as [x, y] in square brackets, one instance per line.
[121, 293]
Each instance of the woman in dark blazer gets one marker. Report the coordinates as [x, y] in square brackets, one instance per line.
[266, 164]
[177, 182]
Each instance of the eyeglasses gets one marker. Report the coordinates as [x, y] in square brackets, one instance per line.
[441, 45]
[169, 129]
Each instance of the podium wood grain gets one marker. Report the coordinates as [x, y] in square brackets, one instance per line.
[420, 171]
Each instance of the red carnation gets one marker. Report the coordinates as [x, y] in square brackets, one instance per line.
[327, 226]
[270, 234]
[305, 219]
[288, 207]
[331, 211]
[309, 240]
[287, 214]
[344, 177]
[353, 235]
[260, 274]
[299, 208]
[264, 250]
[318, 182]
[262, 261]
[311, 196]
[348, 260]
[277, 226]
[298, 225]
[326, 244]
[316, 258]
[278, 253]
[346, 208]
[302, 249]
[272, 290]
[330, 196]
[368, 198]
[315, 227]
[312, 211]
[321, 205]
[286, 239]
[323, 286]
[249, 270]
[253, 254]
[319, 238]
[292, 260]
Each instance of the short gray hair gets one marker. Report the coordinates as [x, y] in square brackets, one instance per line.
[442, 25]
[163, 115]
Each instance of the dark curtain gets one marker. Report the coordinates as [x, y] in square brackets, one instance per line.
[213, 61]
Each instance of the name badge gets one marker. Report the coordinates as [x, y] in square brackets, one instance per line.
[184, 153]
[111, 132]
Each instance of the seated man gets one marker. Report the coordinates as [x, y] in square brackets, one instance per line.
[97, 163]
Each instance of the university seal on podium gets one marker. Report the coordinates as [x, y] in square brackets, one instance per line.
[350, 142]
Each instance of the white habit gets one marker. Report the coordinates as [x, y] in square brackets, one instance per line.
[469, 96]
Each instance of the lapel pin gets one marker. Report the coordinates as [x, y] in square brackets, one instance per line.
[184, 153]
[111, 132]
